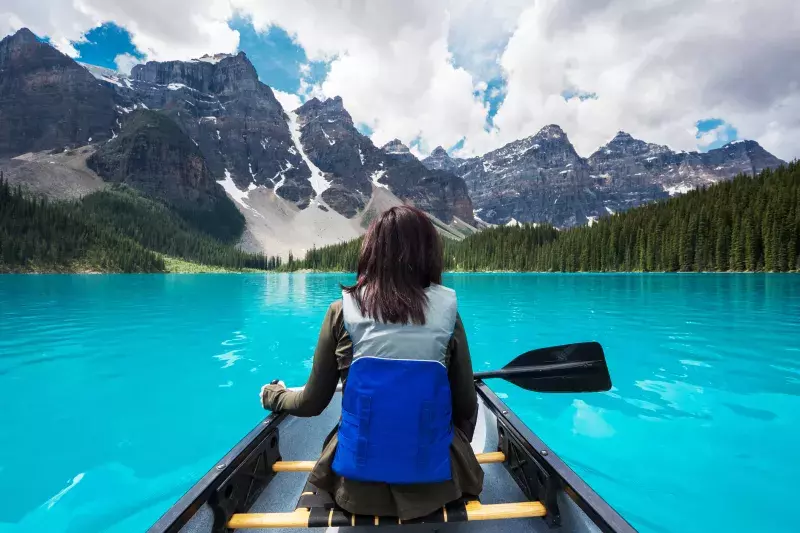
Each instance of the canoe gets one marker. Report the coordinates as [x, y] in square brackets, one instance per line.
[261, 484]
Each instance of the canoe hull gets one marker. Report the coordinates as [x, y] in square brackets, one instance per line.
[243, 481]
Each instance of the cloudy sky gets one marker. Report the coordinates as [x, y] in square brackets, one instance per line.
[472, 75]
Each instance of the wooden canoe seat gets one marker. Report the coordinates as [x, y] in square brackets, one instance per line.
[321, 517]
[317, 508]
[307, 466]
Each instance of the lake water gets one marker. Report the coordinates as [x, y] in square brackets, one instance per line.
[118, 392]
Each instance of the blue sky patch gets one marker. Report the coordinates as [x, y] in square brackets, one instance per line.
[714, 133]
[457, 146]
[569, 94]
[494, 95]
[280, 62]
[364, 129]
[101, 45]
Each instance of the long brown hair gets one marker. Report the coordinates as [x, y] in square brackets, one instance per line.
[400, 257]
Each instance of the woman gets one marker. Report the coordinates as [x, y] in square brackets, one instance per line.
[409, 405]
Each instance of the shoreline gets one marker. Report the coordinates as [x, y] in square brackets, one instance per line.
[192, 268]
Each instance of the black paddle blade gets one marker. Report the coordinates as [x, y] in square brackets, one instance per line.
[570, 368]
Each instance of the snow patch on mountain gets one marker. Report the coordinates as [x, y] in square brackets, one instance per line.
[378, 174]
[317, 179]
[681, 188]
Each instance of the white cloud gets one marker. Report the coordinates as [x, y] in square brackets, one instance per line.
[288, 101]
[126, 62]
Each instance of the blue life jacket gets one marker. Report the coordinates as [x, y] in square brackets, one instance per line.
[396, 424]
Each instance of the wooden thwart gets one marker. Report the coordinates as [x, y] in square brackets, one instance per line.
[307, 466]
[301, 518]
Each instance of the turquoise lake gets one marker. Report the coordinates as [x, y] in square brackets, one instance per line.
[118, 392]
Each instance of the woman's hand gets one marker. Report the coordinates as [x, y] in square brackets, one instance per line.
[276, 384]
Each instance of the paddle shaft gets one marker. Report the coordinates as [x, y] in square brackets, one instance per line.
[540, 369]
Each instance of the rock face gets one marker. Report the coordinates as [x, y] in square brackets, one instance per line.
[351, 165]
[543, 179]
[629, 172]
[537, 179]
[398, 149]
[441, 160]
[47, 100]
[154, 156]
[235, 119]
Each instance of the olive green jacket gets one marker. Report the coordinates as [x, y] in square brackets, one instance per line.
[332, 360]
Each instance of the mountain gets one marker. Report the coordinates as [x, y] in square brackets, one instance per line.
[537, 179]
[47, 100]
[235, 120]
[631, 172]
[154, 156]
[542, 178]
[353, 166]
[246, 137]
[441, 160]
[745, 224]
[199, 134]
[398, 149]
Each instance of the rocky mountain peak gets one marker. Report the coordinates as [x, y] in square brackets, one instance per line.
[441, 160]
[218, 74]
[551, 131]
[395, 147]
[625, 145]
[327, 111]
[23, 35]
[213, 58]
[622, 137]
[47, 100]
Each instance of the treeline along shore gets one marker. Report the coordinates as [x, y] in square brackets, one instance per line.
[749, 224]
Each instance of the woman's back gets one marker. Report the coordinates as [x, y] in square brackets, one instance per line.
[409, 404]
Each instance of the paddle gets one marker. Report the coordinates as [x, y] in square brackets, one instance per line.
[577, 367]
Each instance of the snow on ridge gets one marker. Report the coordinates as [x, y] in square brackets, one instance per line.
[610, 211]
[591, 221]
[681, 188]
[328, 137]
[513, 223]
[237, 195]
[378, 174]
[361, 155]
[176, 86]
[317, 180]
[216, 58]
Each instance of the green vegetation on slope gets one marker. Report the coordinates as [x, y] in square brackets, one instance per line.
[114, 230]
[160, 229]
[154, 156]
[748, 224]
[41, 236]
